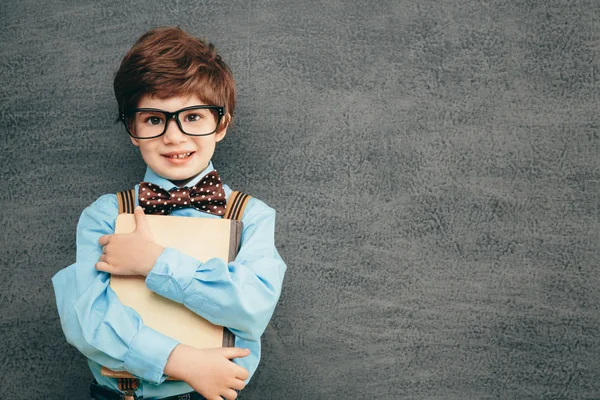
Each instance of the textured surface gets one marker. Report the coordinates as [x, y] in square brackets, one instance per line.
[435, 166]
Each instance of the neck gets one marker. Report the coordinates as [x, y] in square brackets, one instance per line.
[183, 182]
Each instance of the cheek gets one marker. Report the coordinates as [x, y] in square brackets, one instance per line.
[147, 150]
[203, 143]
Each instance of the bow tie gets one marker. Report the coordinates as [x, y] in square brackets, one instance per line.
[207, 196]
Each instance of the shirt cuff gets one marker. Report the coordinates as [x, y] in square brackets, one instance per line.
[148, 354]
[172, 274]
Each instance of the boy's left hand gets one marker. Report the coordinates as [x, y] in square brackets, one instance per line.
[132, 253]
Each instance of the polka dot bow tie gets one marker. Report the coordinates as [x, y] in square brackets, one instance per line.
[207, 196]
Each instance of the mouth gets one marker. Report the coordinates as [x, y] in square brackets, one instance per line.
[178, 158]
[179, 155]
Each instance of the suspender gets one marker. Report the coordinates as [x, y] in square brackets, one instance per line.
[128, 386]
[235, 205]
[234, 210]
[126, 201]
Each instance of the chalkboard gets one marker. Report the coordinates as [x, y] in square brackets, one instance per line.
[434, 166]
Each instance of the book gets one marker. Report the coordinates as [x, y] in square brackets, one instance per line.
[201, 238]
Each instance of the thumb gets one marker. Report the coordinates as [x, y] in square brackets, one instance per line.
[141, 222]
[235, 352]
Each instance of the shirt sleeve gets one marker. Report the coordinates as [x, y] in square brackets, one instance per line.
[240, 295]
[92, 317]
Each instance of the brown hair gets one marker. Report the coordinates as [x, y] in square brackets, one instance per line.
[166, 62]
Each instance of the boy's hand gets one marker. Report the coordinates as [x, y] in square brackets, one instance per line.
[132, 253]
[209, 371]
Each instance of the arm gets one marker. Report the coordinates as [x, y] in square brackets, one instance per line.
[240, 295]
[93, 319]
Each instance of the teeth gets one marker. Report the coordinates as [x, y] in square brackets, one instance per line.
[184, 155]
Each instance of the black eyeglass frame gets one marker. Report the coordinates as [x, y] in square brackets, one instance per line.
[173, 115]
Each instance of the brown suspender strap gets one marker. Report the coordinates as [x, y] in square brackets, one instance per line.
[128, 386]
[236, 205]
[126, 201]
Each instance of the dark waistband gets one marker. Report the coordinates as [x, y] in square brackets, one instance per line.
[99, 392]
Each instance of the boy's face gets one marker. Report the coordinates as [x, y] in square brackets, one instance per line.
[158, 153]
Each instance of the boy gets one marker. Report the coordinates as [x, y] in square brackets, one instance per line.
[176, 99]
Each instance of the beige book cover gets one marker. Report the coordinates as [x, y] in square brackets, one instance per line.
[201, 238]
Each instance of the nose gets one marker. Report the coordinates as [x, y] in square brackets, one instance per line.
[173, 135]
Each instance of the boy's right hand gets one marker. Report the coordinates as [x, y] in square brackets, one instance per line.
[209, 372]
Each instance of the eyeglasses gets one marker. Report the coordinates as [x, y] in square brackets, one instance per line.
[150, 123]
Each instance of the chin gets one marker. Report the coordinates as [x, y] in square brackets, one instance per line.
[181, 174]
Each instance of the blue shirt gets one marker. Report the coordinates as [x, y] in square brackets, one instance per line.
[240, 295]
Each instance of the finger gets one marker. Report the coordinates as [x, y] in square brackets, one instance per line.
[230, 394]
[141, 222]
[241, 373]
[235, 352]
[104, 239]
[238, 384]
[103, 266]
[102, 257]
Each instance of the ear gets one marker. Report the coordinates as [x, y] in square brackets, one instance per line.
[220, 134]
[135, 141]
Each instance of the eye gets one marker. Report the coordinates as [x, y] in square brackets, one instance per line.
[193, 117]
[149, 118]
[154, 120]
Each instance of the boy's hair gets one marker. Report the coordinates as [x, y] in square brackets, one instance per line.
[166, 62]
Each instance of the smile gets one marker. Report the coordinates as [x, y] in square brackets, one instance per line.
[178, 155]
[182, 155]
[177, 158]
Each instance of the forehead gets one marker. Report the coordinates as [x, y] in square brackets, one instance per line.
[172, 103]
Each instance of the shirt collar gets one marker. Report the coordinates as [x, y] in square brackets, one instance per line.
[166, 184]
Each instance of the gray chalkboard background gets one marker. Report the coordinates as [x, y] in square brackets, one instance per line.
[435, 166]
